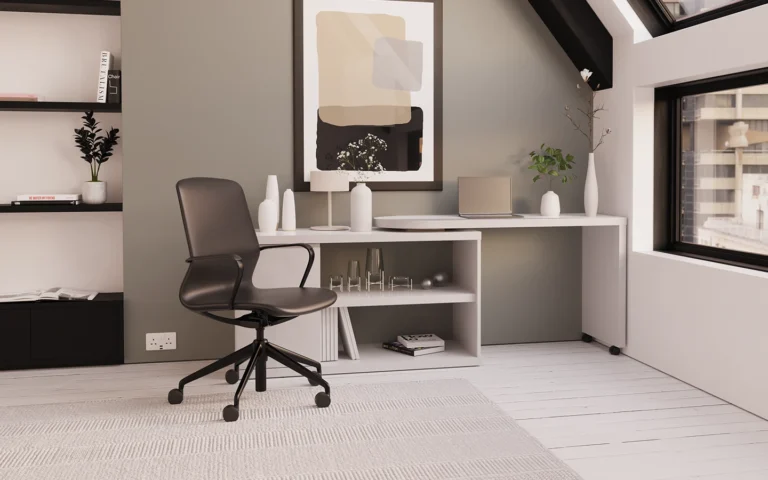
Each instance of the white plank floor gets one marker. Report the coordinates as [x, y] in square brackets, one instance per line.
[608, 417]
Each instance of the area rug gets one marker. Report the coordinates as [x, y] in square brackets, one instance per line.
[443, 429]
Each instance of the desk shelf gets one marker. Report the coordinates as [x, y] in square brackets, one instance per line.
[417, 296]
[374, 358]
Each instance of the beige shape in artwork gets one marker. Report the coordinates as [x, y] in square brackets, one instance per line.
[345, 50]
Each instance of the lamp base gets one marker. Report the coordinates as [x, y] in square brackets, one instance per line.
[330, 228]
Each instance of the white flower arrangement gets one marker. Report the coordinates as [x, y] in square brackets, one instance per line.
[590, 113]
[360, 157]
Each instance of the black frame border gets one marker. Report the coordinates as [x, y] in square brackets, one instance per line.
[299, 184]
[668, 161]
[658, 21]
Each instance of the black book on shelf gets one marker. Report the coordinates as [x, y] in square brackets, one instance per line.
[115, 86]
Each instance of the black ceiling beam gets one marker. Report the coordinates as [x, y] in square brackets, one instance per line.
[582, 35]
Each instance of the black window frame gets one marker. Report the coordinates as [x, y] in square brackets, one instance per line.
[659, 21]
[668, 163]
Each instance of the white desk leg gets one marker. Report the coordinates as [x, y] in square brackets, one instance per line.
[604, 285]
[466, 316]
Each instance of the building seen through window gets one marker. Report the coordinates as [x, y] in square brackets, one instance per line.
[680, 9]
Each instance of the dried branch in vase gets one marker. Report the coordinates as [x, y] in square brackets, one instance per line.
[590, 114]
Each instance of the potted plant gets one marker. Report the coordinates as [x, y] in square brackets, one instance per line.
[360, 158]
[550, 163]
[96, 149]
[590, 113]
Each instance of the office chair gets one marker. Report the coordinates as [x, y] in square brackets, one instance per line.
[223, 251]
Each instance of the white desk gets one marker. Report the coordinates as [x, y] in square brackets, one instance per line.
[604, 261]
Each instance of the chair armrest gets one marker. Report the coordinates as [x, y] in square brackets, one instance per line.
[220, 260]
[306, 247]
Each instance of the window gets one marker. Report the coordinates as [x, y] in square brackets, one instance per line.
[712, 158]
[665, 16]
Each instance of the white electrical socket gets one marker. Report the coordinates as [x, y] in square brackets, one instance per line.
[161, 341]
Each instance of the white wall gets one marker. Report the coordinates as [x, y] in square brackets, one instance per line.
[704, 323]
[55, 57]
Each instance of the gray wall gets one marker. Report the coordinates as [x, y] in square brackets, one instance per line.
[208, 91]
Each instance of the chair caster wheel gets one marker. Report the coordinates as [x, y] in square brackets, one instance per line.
[231, 413]
[312, 382]
[322, 400]
[614, 350]
[587, 338]
[175, 396]
[232, 376]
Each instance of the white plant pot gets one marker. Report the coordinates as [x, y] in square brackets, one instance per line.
[268, 217]
[95, 193]
[550, 204]
[590, 188]
[289, 211]
[273, 191]
[361, 208]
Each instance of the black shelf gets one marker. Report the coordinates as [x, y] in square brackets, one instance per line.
[60, 106]
[72, 7]
[104, 207]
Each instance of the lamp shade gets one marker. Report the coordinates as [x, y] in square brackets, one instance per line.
[328, 181]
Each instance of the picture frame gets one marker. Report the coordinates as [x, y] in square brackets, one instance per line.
[412, 154]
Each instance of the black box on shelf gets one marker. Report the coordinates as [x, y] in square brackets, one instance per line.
[115, 86]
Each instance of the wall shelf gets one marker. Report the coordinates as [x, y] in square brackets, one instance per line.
[72, 7]
[104, 207]
[60, 106]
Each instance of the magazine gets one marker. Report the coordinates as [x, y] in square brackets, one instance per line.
[50, 294]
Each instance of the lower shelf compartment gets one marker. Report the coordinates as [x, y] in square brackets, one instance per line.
[374, 358]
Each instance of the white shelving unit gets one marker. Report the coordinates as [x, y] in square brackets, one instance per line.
[307, 334]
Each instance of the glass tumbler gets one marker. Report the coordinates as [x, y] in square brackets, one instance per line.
[374, 269]
[353, 275]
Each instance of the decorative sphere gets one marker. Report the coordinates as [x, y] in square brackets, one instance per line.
[440, 279]
[426, 284]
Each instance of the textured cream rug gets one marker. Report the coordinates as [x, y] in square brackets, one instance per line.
[418, 430]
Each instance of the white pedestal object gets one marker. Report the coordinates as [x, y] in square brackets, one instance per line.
[590, 188]
[94, 193]
[273, 191]
[550, 204]
[361, 208]
[289, 211]
[268, 217]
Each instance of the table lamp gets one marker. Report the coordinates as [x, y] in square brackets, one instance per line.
[329, 181]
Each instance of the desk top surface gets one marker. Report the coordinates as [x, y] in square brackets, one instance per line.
[305, 235]
[455, 222]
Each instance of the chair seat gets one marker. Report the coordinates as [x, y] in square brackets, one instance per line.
[284, 302]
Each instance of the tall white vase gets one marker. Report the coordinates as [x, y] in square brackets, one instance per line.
[273, 192]
[590, 188]
[361, 208]
[267, 217]
[550, 204]
[289, 211]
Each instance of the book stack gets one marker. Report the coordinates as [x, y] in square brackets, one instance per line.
[416, 345]
[47, 199]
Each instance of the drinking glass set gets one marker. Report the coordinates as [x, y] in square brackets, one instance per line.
[374, 278]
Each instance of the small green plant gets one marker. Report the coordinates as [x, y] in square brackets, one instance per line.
[96, 149]
[550, 162]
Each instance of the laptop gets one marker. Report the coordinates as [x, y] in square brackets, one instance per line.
[485, 197]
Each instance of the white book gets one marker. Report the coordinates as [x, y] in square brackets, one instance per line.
[422, 340]
[50, 294]
[350, 344]
[105, 63]
[45, 197]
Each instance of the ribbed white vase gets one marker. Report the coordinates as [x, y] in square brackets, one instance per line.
[550, 204]
[289, 211]
[267, 217]
[361, 208]
[273, 191]
[590, 188]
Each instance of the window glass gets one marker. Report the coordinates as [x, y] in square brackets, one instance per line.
[724, 169]
[680, 9]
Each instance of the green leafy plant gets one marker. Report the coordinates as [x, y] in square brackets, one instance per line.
[550, 162]
[95, 148]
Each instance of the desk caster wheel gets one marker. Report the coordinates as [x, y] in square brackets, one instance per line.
[231, 413]
[175, 396]
[614, 350]
[587, 338]
[322, 400]
[232, 376]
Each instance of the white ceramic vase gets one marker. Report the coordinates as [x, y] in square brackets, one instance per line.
[268, 217]
[361, 208]
[550, 204]
[94, 193]
[273, 191]
[289, 211]
[590, 188]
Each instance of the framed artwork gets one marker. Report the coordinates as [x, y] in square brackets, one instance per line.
[368, 92]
